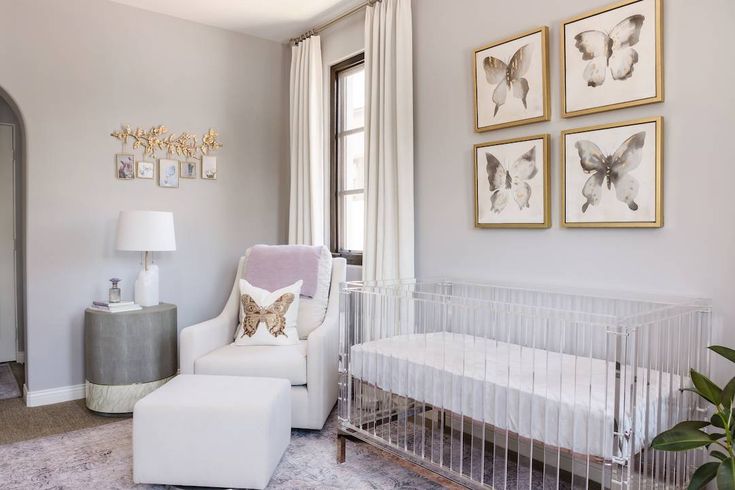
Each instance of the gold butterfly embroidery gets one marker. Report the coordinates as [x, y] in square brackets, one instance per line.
[274, 315]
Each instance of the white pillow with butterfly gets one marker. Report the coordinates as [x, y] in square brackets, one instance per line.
[268, 317]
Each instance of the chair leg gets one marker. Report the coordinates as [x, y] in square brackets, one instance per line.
[341, 448]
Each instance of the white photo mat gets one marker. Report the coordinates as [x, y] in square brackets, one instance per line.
[535, 214]
[511, 112]
[595, 78]
[611, 209]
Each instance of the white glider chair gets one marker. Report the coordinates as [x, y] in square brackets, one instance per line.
[310, 366]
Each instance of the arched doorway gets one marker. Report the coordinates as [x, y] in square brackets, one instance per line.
[12, 241]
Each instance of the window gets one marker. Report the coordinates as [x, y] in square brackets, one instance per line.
[347, 161]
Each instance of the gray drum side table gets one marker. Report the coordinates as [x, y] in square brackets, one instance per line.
[128, 355]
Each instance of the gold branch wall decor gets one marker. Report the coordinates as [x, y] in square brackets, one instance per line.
[157, 138]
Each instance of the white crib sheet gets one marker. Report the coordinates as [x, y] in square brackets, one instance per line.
[562, 400]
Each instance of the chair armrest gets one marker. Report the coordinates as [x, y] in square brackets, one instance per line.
[322, 374]
[200, 339]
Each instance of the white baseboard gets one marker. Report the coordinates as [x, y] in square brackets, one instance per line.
[53, 395]
[20, 357]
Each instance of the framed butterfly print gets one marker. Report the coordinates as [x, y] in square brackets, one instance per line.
[612, 175]
[611, 58]
[512, 183]
[511, 81]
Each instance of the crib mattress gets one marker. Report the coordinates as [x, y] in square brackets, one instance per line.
[562, 400]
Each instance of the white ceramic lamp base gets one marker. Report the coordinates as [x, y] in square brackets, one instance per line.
[146, 287]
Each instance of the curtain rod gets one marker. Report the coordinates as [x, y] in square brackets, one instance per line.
[320, 28]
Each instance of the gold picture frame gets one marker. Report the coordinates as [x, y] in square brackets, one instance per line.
[545, 93]
[657, 37]
[168, 180]
[658, 215]
[125, 166]
[545, 184]
[186, 174]
[139, 175]
[208, 167]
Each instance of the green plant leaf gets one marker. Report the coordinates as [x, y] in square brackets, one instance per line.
[719, 455]
[680, 439]
[691, 424]
[716, 420]
[706, 388]
[703, 475]
[725, 352]
[728, 392]
[716, 437]
[726, 475]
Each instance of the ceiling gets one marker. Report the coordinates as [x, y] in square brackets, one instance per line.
[277, 20]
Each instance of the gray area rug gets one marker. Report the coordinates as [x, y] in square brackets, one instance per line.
[8, 385]
[101, 458]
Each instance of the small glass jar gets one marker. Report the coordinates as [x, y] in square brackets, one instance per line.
[115, 290]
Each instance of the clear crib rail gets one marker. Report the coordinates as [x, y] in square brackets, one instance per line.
[509, 387]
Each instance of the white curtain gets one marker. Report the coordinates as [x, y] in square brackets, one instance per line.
[389, 215]
[306, 211]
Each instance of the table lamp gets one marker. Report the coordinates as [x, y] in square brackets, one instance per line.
[147, 232]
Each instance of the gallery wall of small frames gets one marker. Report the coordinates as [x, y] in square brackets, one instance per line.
[157, 154]
[611, 174]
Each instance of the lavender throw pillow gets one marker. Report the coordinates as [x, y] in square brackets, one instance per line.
[273, 267]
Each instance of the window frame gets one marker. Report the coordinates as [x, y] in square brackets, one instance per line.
[353, 257]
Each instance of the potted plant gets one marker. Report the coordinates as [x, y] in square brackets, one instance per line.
[720, 442]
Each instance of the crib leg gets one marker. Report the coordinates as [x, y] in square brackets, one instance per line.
[341, 448]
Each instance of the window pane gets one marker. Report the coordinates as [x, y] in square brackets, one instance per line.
[353, 99]
[353, 152]
[353, 222]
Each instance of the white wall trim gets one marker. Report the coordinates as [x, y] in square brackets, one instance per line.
[53, 395]
[20, 357]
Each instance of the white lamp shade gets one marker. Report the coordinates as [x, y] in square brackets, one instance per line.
[146, 231]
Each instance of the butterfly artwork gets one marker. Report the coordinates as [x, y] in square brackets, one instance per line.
[611, 51]
[611, 170]
[273, 315]
[612, 175]
[511, 82]
[511, 183]
[612, 58]
[508, 77]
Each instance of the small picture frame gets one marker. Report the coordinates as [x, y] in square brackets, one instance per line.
[188, 169]
[168, 173]
[125, 166]
[512, 183]
[209, 168]
[612, 175]
[511, 81]
[145, 170]
[611, 58]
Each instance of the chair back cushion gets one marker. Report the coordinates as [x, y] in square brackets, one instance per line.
[311, 310]
[274, 267]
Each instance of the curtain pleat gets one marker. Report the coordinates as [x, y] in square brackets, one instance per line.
[389, 202]
[306, 210]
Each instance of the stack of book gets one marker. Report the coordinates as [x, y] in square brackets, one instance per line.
[115, 307]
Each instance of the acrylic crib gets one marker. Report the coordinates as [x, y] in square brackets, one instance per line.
[510, 387]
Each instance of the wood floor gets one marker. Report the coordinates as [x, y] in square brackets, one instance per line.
[20, 423]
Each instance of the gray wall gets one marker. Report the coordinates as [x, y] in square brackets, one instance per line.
[77, 70]
[692, 254]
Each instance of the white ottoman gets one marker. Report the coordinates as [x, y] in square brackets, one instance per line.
[216, 431]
